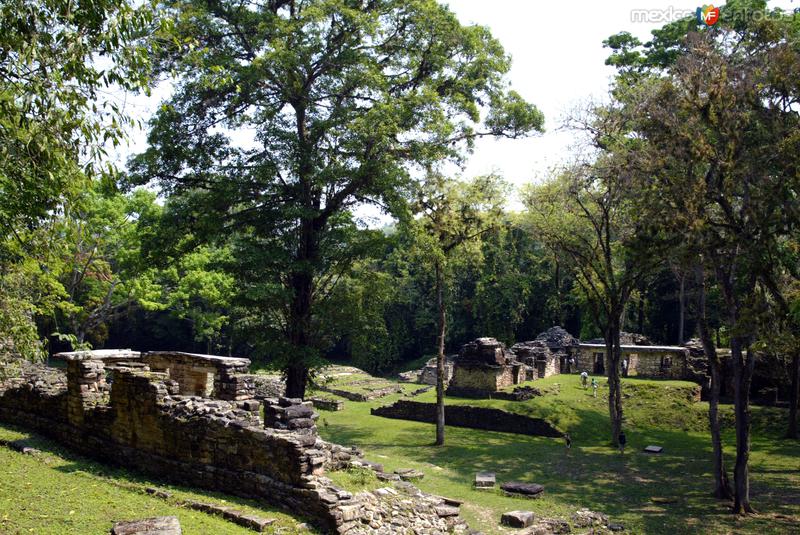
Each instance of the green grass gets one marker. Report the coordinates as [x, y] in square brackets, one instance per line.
[592, 475]
[338, 378]
[59, 493]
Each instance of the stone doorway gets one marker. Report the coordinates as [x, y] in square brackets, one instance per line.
[599, 364]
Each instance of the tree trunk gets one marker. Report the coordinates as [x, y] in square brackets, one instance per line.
[640, 314]
[794, 396]
[440, 357]
[742, 373]
[613, 353]
[302, 283]
[682, 306]
[722, 485]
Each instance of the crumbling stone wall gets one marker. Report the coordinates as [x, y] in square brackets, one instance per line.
[484, 365]
[204, 375]
[142, 420]
[471, 417]
[428, 374]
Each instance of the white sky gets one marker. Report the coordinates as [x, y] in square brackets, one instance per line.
[557, 62]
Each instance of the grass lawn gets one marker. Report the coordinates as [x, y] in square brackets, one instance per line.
[663, 494]
[62, 493]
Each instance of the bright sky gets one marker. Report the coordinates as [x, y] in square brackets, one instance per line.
[557, 63]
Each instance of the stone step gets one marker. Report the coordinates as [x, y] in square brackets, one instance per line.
[246, 520]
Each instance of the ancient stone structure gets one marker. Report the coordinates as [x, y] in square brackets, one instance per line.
[204, 375]
[428, 374]
[553, 351]
[152, 421]
[470, 417]
[484, 366]
[668, 362]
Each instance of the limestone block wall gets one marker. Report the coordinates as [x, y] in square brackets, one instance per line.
[87, 387]
[643, 361]
[204, 375]
[142, 421]
[471, 417]
[480, 378]
[552, 366]
[667, 364]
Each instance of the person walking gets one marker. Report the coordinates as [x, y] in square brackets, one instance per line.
[624, 367]
[594, 386]
[584, 379]
[622, 439]
[567, 441]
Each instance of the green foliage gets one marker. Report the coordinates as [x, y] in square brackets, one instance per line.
[197, 289]
[342, 103]
[57, 56]
[95, 255]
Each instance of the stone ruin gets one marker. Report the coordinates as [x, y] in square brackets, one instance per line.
[196, 419]
[552, 352]
[428, 374]
[486, 365]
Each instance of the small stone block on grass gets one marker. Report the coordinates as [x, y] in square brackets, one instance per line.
[162, 525]
[485, 480]
[653, 449]
[517, 519]
[158, 493]
[361, 463]
[527, 490]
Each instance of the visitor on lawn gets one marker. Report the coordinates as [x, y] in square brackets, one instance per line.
[584, 379]
[567, 441]
[594, 386]
[622, 440]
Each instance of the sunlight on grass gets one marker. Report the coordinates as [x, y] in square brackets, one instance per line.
[663, 494]
[61, 493]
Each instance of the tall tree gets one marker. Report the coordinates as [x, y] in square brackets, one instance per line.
[585, 213]
[339, 100]
[56, 57]
[451, 214]
[718, 143]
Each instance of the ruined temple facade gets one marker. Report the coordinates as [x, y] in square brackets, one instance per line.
[552, 352]
[196, 419]
[486, 365]
[640, 356]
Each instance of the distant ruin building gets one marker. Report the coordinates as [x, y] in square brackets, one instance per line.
[484, 366]
[640, 357]
[428, 374]
[552, 352]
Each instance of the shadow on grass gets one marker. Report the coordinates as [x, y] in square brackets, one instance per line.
[665, 493]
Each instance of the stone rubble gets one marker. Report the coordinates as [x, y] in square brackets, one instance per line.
[173, 423]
